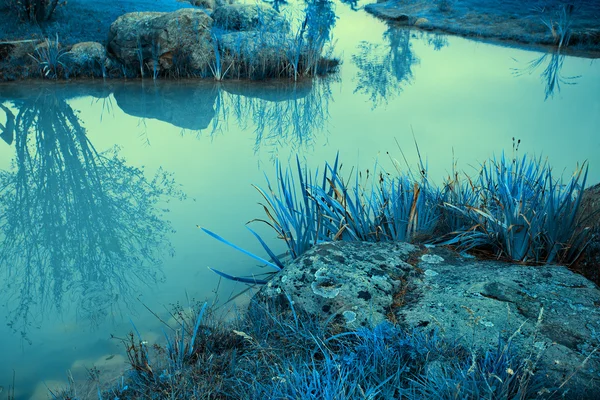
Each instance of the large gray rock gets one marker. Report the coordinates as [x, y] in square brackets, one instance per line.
[469, 300]
[161, 37]
[246, 17]
[254, 47]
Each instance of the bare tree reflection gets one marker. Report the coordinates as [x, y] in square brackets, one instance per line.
[552, 64]
[76, 225]
[385, 69]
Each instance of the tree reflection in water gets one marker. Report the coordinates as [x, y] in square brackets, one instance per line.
[384, 69]
[76, 225]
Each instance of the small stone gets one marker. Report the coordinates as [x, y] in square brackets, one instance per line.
[431, 258]
[350, 316]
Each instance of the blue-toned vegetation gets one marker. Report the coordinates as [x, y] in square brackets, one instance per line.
[287, 355]
[514, 209]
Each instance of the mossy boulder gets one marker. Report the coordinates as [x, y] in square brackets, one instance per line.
[89, 58]
[248, 17]
[157, 39]
[547, 311]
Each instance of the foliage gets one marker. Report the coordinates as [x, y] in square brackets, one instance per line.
[51, 59]
[287, 354]
[513, 209]
[444, 5]
[34, 10]
[523, 212]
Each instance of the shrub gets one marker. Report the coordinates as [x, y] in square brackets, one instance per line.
[51, 57]
[34, 10]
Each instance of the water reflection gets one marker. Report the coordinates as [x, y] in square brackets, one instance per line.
[551, 76]
[188, 106]
[76, 225]
[384, 69]
[281, 113]
[8, 129]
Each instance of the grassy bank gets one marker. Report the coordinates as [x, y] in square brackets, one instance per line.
[284, 355]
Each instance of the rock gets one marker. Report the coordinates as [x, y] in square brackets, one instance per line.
[162, 37]
[246, 17]
[422, 22]
[468, 300]
[254, 47]
[389, 12]
[208, 4]
[589, 216]
[89, 58]
[364, 284]
[162, 101]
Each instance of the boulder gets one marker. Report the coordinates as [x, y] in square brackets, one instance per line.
[207, 4]
[547, 311]
[589, 217]
[252, 46]
[89, 58]
[388, 11]
[246, 17]
[161, 37]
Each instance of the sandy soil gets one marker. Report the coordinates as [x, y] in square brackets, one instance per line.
[511, 21]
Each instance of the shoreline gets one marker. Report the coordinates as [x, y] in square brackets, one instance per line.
[508, 27]
[514, 26]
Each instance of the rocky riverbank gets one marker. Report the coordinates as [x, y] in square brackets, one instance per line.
[242, 41]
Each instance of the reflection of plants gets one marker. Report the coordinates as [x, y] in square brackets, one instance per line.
[74, 220]
[551, 75]
[292, 121]
[7, 132]
[385, 69]
[50, 58]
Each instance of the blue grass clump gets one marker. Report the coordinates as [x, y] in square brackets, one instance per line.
[520, 210]
[51, 59]
[514, 209]
[288, 354]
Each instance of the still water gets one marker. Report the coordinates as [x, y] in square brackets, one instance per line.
[103, 184]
